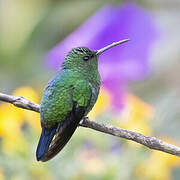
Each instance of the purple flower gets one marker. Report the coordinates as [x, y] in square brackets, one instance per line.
[121, 64]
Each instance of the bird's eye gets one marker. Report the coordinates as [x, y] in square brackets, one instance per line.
[86, 58]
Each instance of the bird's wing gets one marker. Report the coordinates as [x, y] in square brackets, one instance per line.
[81, 96]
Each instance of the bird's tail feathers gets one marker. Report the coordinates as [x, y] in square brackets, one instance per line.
[64, 132]
[47, 135]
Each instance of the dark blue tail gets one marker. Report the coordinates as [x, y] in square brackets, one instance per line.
[44, 142]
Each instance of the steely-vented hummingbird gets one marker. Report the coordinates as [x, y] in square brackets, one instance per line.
[67, 98]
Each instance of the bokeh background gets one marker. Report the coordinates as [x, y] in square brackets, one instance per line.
[140, 89]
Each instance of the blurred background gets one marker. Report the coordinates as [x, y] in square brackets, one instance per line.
[140, 89]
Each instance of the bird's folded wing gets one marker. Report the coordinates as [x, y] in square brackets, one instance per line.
[81, 96]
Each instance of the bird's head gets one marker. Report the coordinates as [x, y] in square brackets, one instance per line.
[81, 58]
[84, 59]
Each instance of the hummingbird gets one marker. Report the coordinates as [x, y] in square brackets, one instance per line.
[68, 97]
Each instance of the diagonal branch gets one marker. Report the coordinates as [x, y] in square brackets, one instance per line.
[150, 142]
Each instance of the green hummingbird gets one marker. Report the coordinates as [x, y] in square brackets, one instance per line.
[67, 98]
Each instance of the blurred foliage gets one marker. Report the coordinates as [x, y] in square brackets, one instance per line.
[28, 29]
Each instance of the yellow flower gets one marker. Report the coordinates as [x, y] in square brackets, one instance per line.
[29, 116]
[10, 129]
[12, 119]
[136, 115]
[101, 105]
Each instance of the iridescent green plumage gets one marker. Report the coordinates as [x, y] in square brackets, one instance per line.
[67, 98]
[77, 84]
[78, 81]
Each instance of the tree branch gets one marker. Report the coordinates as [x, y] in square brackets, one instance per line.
[150, 142]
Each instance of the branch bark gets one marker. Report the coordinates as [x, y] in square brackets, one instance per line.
[150, 142]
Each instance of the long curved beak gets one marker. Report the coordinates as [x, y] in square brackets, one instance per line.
[100, 51]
